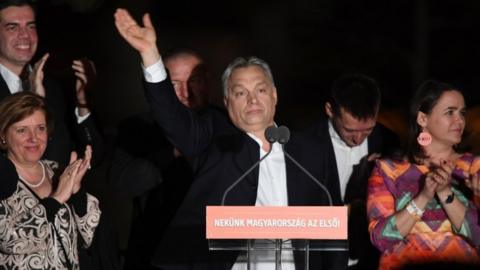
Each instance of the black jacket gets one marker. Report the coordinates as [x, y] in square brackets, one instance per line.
[222, 153]
[382, 141]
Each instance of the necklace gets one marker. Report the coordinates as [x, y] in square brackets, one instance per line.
[41, 180]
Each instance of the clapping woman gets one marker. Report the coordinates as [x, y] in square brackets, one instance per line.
[417, 213]
[44, 217]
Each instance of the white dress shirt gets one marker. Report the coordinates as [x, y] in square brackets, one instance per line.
[271, 191]
[13, 81]
[346, 157]
[155, 73]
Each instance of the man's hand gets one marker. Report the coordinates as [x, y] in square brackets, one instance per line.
[85, 74]
[36, 76]
[143, 39]
[374, 156]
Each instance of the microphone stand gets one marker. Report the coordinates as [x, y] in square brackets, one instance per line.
[243, 176]
[284, 136]
[271, 134]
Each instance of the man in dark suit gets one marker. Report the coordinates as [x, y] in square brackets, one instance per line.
[349, 139]
[250, 97]
[18, 45]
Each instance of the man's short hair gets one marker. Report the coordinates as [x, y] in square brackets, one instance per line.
[241, 62]
[357, 94]
[178, 52]
[17, 3]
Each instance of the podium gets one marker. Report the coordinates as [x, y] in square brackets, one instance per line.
[301, 228]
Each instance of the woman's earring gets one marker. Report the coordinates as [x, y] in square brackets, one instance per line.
[4, 141]
[424, 138]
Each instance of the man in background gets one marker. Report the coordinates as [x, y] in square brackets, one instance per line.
[349, 140]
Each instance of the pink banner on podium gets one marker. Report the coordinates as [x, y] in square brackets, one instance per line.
[272, 222]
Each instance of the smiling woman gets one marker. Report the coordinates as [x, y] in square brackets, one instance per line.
[418, 209]
[40, 225]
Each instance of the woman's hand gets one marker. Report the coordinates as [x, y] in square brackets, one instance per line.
[67, 180]
[473, 182]
[428, 191]
[443, 177]
[84, 166]
[71, 178]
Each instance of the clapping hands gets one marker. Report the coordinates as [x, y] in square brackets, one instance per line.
[438, 179]
[71, 178]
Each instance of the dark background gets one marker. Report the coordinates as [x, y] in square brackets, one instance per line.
[308, 44]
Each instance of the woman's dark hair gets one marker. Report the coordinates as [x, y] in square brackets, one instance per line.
[424, 99]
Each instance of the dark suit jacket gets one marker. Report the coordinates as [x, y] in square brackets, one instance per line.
[67, 134]
[382, 141]
[223, 153]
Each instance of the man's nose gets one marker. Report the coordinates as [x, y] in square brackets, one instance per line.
[184, 90]
[252, 97]
[23, 32]
[358, 138]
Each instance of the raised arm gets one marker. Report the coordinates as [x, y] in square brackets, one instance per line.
[86, 129]
[186, 129]
[143, 39]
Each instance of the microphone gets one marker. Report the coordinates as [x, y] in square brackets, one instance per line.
[283, 138]
[283, 134]
[272, 135]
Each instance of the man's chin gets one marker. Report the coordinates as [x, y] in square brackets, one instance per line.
[24, 60]
[349, 144]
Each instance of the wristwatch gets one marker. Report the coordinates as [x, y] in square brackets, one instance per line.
[450, 198]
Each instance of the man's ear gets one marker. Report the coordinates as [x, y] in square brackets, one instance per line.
[225, 102]
[328, 109]
[275, 95]
[422, 119]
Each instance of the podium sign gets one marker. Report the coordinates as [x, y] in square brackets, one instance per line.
[274, 222]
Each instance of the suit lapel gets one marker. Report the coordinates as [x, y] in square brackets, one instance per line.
[330, 163]
[4, 91]
[292, 175]
[246, 157]
[374, 141]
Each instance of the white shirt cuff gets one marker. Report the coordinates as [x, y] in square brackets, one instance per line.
[155, 73]
[80, 119]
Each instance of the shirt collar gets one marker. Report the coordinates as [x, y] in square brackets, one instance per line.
[11, 79]
[275, 146]
[334, 135]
